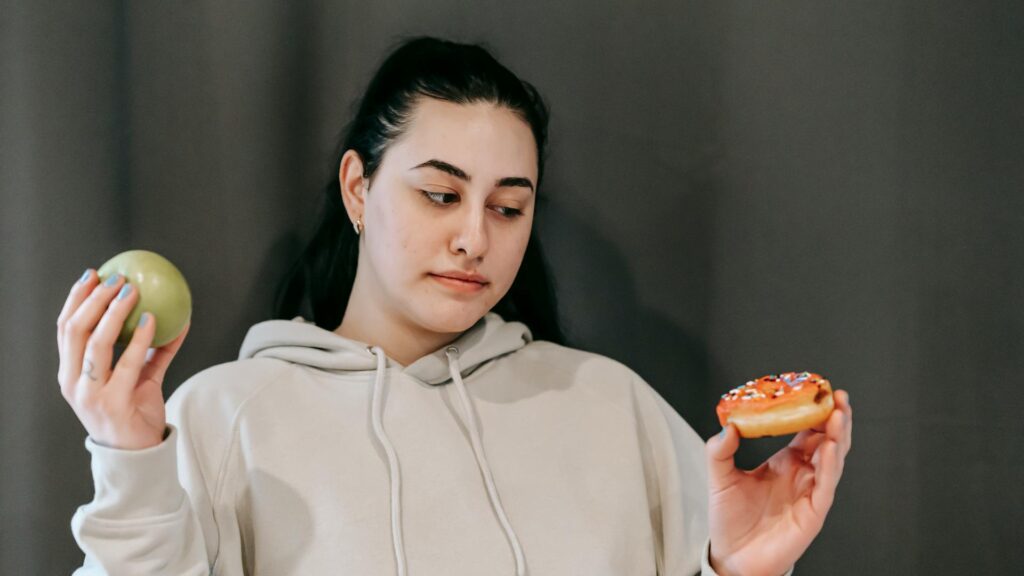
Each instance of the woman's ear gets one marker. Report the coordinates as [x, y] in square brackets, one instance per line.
[353, 185]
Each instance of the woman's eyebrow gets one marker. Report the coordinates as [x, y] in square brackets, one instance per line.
[461, 174]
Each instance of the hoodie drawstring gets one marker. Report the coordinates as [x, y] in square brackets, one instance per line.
[393, 472]
[474, 436]
[452, 353]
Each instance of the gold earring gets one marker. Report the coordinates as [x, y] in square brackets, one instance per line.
[358, 226]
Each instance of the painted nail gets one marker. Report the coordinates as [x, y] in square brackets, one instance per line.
[143, 319]
[112, 280]
[85, 275]
[125, 291]
[723, 433]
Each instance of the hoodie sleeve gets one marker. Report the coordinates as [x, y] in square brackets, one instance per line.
[140, 520]
[676, 476]
[154, 509]
[677, 484]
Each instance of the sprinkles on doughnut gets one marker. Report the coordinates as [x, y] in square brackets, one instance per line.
[777, 404]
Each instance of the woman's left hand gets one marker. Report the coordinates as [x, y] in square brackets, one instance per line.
[763, 520]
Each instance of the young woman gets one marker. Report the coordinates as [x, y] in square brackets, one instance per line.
[427, 419]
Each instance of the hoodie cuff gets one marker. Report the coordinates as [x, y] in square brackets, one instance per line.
[133, 484]
[705, 562]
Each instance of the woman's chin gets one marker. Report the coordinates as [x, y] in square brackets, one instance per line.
[449, 318]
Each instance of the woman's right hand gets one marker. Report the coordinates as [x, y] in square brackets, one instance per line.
[121, 406]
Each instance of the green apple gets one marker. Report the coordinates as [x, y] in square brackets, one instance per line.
[162, 290]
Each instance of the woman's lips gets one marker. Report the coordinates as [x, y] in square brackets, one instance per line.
[464, 286]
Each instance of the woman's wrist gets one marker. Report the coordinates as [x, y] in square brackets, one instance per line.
[719, 565]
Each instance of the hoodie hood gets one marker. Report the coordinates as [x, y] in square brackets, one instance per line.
[300, 341]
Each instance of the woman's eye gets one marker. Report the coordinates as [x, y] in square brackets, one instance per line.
[508, 212]
[438, 197]
[446, 198]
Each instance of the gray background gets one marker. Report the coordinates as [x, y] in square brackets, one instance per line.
[735, 189]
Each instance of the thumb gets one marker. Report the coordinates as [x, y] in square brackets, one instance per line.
[720, 451]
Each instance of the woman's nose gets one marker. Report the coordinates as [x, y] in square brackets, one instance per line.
[471, 236]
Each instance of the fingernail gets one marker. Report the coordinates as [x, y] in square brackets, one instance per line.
[112, 280]
[723, 433]
[143, 318]
[85, 275]
[125, 291]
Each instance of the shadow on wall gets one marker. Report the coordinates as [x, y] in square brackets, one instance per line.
[602, 312]
[276, 261]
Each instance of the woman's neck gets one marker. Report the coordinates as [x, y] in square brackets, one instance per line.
[365, 322]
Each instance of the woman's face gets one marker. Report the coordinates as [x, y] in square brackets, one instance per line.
[453, 196]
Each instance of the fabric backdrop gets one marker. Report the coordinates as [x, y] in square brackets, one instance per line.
[735, 189]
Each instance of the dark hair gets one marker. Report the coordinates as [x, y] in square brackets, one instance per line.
[319, 283]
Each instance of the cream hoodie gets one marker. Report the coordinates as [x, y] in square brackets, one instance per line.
[314, 454]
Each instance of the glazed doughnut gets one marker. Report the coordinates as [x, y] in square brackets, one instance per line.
[777, 404]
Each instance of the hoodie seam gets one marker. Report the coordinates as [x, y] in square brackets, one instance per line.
[223, 468]
[655, 510]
